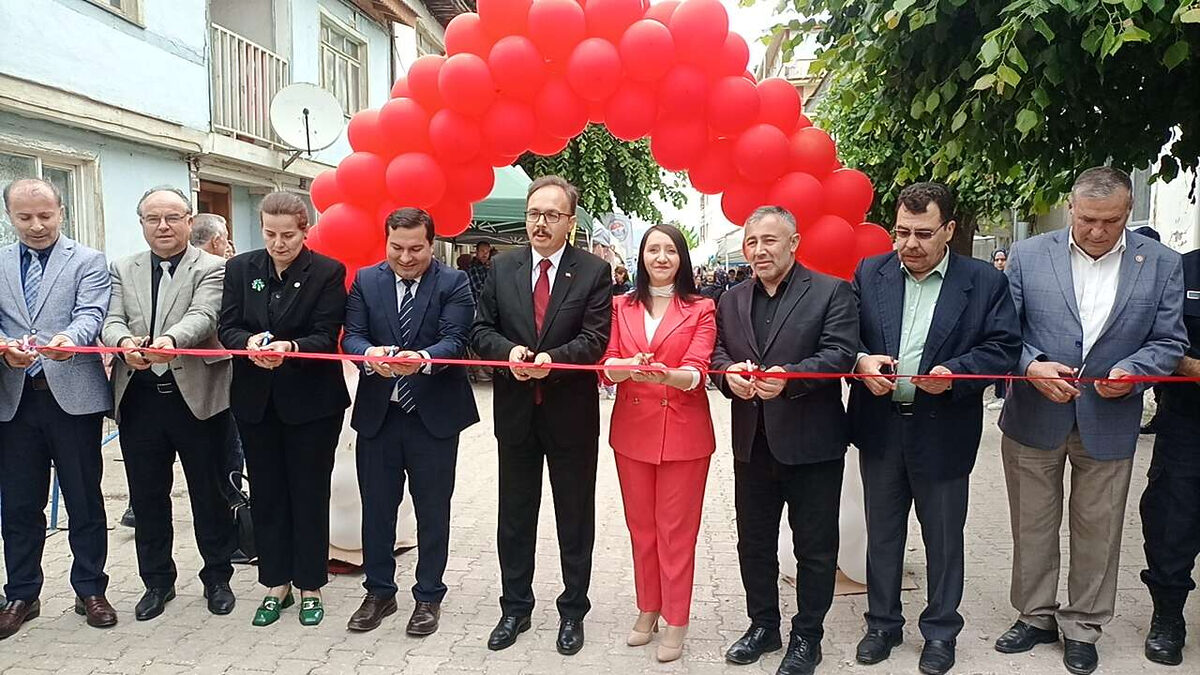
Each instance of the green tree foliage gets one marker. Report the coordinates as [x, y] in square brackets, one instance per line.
[1006, 100]
[611, 174]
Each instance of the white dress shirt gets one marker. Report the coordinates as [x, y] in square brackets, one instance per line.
[425, 368]
[1095, 282]
[554, 258]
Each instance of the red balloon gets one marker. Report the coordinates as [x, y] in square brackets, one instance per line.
[802, 195]
[848, 193]
[345, 231]
[312, 239]
[829, 246]
[684, 90]
[518, 69]
[732, 105]
[761, 153]
[631, 112]
[647, 51]
[662, 11]
[699, 28]
[509, 128]
[813, 152]
[465, 35]
[556, 27]
[504, 17]
[608, 19]
[802, 123]
[466, 84]
[594, 69]
[381, 214]
[677, 143]
[506, 160]
[363, 132]
[871, 240]
[780, 103]
[416, 179]
[470, 182]
[560, 111]
[451, 217]
[400, 87]
[750, 76]
[547, 145]
[733, 57]
[324, 190]
[740, 200]
[423, 78]
[714, 170]
[360, 178]
[405, 126]
[454, 136]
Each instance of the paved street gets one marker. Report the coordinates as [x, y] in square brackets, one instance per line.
[188, 639]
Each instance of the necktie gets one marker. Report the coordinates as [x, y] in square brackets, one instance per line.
[541, 294]
[33, 285]
[160, 312]
[403, 394]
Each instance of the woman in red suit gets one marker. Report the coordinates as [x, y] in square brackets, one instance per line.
[661, 429]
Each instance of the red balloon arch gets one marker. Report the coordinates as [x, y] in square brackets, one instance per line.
[529, 75]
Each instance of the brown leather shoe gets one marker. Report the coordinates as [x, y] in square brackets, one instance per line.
[16, 612]
[371, 613]
[424, 620]
[99, 613]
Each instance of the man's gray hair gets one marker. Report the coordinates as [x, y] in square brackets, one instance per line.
[777, 211]
[165, 188]
[1100, 182]
[206, 226]
[35, 182]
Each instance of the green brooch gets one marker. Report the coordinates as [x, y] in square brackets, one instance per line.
[258, 285]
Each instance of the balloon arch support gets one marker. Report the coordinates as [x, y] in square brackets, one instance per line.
[529, 75]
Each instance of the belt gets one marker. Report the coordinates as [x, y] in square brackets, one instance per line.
[903, 409]
[167, 387]
[38, 383]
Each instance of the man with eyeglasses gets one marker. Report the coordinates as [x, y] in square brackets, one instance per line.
[923, 310]
[167, 406]
[544, 304]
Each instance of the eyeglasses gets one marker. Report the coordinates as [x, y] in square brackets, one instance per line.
[172, 219]
[552, 217]
[922, 235]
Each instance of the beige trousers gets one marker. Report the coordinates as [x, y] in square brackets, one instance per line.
[1096, 513]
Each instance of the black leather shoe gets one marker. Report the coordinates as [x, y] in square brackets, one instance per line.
[803, 655]
[876, 646]
[153, 602]
[756, 642]
[570, 637]
[424, 619]
[505, 633]
[1164, 642]
[937, 657]
[220, 599]
[1022, 637]
[1080, 657]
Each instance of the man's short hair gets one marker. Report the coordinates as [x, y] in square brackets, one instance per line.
[916, 199]
[187, 200]
[777, 211]
[571, 191]
[481, 245]
[205, 227]
[409, 219]
[34, 182]
[1102, 181]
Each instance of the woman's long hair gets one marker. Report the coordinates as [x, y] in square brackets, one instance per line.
[685, 285]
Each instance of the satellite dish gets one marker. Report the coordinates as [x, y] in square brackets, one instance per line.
[307, 118]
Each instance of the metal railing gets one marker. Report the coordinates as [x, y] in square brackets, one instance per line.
[245, 77]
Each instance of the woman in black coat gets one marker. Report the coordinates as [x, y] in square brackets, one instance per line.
[287, 298]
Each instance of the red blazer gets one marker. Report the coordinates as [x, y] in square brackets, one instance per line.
[656, 423]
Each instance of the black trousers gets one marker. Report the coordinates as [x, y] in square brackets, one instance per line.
[1170, 511]
[812, 493]
[235, 462]
[289, 469]
[890, 490]
[41, 433]
[573, 485]
[155, 427]
[404, 448]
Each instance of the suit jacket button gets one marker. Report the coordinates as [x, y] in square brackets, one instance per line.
[663, 403]
[636, 400]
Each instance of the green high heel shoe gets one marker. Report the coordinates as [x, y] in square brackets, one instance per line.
[311, 611]
[268, 611]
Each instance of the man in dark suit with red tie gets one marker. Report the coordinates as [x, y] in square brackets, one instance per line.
[544, 304]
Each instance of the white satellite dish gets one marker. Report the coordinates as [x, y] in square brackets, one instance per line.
[307, 118]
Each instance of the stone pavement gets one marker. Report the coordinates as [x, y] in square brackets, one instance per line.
[187, 639]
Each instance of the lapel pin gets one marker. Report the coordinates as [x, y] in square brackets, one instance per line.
[568, 275]
[296, 285]
[1140, 258]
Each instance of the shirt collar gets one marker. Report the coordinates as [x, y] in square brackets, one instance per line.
[400, 279]
[939, 270]
[554, 258]
[174, 260]
[42, 253]
[1076, 248]
[779, 290]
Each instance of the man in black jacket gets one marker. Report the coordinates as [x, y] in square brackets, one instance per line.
[544, 304]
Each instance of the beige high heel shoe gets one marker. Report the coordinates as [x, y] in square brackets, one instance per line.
[670, 648]
[638, 638]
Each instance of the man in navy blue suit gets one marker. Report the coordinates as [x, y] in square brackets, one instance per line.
[923, 310]
[408, 416]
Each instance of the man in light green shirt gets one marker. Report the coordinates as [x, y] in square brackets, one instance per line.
[921, 293]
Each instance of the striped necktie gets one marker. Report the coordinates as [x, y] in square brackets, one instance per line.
[403, 394]
[33, 286]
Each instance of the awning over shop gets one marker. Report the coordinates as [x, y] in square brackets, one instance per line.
[500, 218]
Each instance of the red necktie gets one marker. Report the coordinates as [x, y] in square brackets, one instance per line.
[541, 294]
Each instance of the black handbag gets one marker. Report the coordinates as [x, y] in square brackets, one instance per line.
[242, 519]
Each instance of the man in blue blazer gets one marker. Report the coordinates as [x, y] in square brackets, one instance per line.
[408, 417]
[923, 310]
[1095, 301]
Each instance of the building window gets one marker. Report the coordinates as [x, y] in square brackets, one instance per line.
[128, 9]
[1142, 195]
[343, 65]
[426, 43]
[67, 178]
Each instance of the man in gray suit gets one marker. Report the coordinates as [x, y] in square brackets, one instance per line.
[1095, 301]
[53, 293]
[169, 297]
